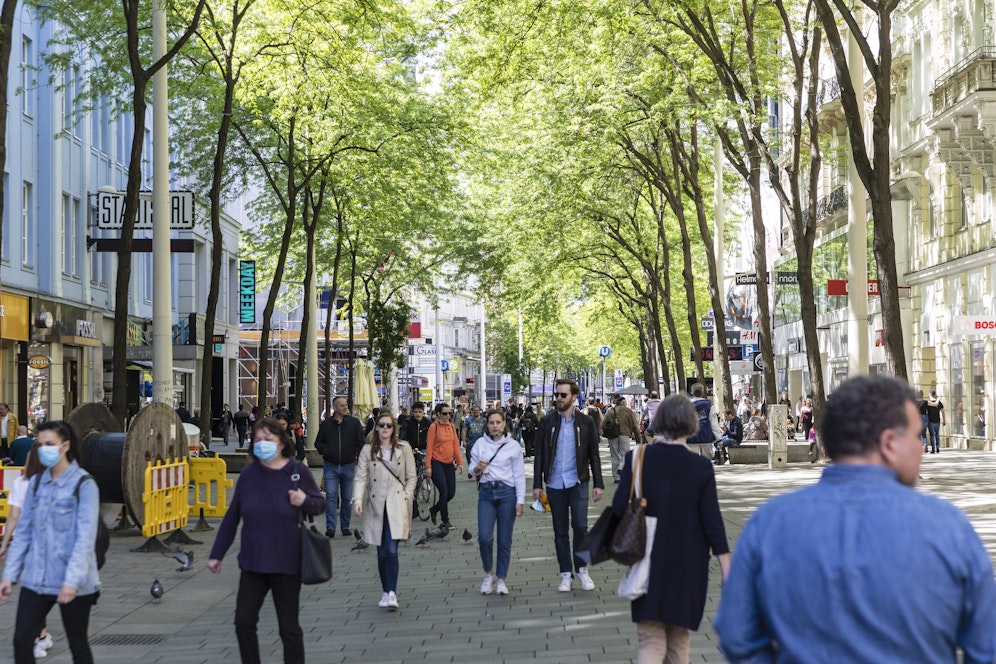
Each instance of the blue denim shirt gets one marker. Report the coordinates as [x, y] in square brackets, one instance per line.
[564, 472]
[858, 568]
[53, 545]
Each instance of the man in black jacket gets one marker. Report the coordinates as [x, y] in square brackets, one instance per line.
[416, 429]
[339, 441]
[567, 460]
[732, 437]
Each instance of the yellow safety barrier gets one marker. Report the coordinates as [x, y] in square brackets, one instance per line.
[7, 476]
[165, 497]
[205, 472]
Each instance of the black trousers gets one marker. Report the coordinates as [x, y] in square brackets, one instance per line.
[32, 609]
[286, 589]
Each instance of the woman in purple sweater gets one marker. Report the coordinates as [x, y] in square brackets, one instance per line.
[270, 554]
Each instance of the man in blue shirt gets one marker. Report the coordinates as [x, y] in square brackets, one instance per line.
[20, 447]
[861, 567]
[567, 459]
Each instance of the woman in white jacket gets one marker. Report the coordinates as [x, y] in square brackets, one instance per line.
[496, 460]
[384, 487]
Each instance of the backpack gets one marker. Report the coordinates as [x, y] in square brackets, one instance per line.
[528, 423]
[704, 434]
[103, 540]
[610, 428]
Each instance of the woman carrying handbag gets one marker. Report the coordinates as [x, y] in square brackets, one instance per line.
[682, 497]
[384, 488]
[268, 498]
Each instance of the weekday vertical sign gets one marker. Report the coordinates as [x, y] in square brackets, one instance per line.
[247, 292]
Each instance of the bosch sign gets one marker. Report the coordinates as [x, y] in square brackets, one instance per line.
[974, 325]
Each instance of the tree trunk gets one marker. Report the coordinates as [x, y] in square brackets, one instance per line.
[761, 263]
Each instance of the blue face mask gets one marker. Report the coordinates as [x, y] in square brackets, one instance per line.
[49, 455]
[265, 450]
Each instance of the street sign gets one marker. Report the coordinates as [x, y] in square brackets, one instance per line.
[758, 362]
[748, 337]
[750, 351]
[445, 364]
[741, 367]
[748, 278]
[708, 323]
[454, 363]
[604, 351]
[111, 204]
[619, 382]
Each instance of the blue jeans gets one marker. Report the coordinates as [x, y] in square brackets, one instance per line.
[495, 501]
[338, 482]
[444, 477]
[387, 559]
[934, 428]
[923, 434]
[569, 507]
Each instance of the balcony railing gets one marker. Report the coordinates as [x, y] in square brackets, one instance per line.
[829, 90]
[971, 74]
[828, 205]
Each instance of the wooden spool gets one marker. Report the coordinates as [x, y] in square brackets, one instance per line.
[156, 434]
[93, 417]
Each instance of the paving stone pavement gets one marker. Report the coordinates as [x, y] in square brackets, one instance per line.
[443, 617]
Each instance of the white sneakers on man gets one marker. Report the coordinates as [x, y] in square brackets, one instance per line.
[383, 600]
[488, 584]
[501, 588]
[565, 582]
[392, 601]
[586, 582]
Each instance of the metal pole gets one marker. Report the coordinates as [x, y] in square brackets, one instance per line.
[484, 369]
[719, 380]
[162, 306]
[439, 360]
[603, 380]
[857, 239]
[311, 355]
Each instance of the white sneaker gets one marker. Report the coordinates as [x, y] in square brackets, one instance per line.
[565, 582]
[488, 584]
[586, 582]
[383, 600]
[47, 641]
[40, 651]
[501, 588]
[392, 600]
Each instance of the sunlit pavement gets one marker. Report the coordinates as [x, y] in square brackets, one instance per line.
[443, 617]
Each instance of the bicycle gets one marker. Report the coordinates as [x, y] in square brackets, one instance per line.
[426, 493]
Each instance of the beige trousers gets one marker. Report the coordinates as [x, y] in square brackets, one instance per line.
[660, 642]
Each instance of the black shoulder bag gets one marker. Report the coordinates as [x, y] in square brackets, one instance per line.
[316, 549]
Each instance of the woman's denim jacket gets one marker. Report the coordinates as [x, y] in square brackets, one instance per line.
[54, 541]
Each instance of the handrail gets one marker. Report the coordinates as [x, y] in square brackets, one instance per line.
[981, 53]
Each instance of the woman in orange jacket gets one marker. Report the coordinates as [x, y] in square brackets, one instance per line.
[443, 460]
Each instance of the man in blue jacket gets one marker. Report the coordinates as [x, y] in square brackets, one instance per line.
[861, 567]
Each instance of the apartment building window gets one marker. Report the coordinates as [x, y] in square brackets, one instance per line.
[456, 338]
[147, 159]
[931, 213]
[957, 385]
[70, 224]
[27, 76]
[979, 410]
[5, 248]
[963, 212]
[70, 100]
[27, 225]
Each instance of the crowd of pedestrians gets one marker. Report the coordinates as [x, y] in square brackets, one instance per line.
[853, 541]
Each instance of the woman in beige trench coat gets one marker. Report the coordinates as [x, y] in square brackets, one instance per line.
[384, 487]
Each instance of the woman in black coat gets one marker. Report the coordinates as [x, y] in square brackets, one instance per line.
[680, 488]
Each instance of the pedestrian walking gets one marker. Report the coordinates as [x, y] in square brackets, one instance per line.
[339, 441]
[8, 429]
[529, 422]
[807, 417]
[15, 499]
[268, 505]
[566, 462]
[53, 555]
[856, 541]
[619, 421]
[680, 489]
[935, 418]
[241, 420]
[385, 491]
[473, 428]
[497, 463]
[226, 423]
[709, 430]
[443, 461]
[416, 430]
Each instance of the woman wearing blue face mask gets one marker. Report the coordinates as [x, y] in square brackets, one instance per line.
[270, 556]
[53, 553]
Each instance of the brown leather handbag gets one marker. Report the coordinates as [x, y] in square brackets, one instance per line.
[629, 543]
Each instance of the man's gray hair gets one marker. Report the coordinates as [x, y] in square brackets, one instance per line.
[675, 418]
